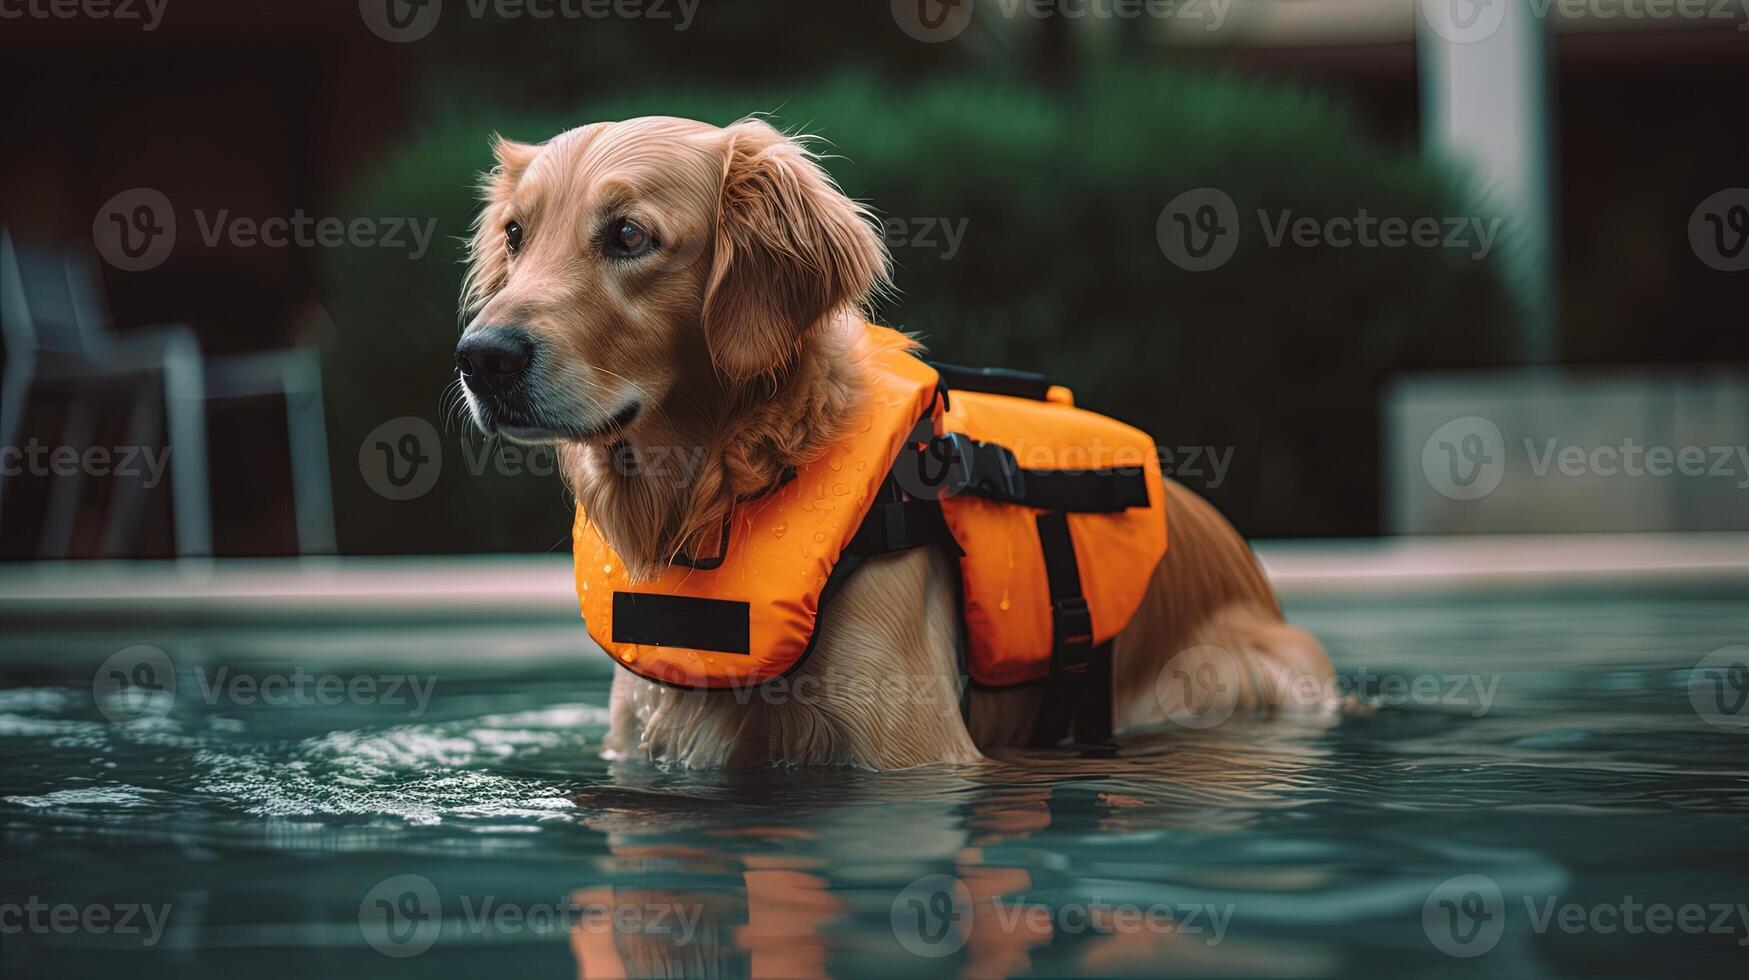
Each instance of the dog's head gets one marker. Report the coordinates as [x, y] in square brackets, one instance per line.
[622, 264]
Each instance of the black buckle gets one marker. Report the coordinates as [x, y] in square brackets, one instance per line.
[933, 467]
[987, 469]
[1074, 629]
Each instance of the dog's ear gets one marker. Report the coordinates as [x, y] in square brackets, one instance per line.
[513, 160]
[790, 249]
[487, 263]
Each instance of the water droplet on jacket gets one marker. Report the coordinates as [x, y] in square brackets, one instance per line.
[1003, 605]
[840, 489]
[778, 530]
[861, 465]
[818, 537]
[836, 464]
[607, 569]
[628, 656]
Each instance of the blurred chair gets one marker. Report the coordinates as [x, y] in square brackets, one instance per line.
[57, 332]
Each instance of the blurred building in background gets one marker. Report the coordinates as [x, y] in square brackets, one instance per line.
[1027, 168]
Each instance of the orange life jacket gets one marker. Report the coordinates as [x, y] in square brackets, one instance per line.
[1057, 517]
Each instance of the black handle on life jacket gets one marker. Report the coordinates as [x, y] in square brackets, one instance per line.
[993, 380]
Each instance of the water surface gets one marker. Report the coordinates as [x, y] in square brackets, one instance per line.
[1542, 777]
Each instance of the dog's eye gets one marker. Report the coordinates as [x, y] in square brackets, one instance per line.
[513, 236]
[628, 240]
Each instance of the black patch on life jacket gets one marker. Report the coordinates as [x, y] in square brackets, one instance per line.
[688, 622]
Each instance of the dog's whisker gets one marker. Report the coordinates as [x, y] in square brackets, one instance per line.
[635, 386]
[452, 406]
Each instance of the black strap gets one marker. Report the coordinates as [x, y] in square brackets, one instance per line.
[1078, 691]
[985, 469]
[1086, 492]
[897, 522]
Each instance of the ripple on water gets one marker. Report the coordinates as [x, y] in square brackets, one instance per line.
[111, 795]
[417, 773]
[420, 774]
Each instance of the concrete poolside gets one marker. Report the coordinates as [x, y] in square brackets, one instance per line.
[536, 589]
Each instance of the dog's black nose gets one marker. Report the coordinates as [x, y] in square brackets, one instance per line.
[493, 359]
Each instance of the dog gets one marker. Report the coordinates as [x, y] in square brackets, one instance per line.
[664, 287]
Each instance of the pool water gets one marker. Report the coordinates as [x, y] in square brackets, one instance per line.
[1549, 786]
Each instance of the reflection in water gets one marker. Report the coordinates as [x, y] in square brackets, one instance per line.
[1007, 834]
[1252, 848]
[787, 862]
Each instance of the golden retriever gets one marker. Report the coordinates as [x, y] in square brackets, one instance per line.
[674, 306]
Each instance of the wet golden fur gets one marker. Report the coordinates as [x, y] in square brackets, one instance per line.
[736, 339]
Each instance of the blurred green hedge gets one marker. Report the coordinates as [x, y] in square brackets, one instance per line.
[1274, 360]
